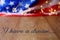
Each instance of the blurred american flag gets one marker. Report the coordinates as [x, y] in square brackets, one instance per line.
[24, 7]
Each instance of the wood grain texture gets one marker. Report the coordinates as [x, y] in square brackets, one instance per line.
[29, 23]
[54, 22]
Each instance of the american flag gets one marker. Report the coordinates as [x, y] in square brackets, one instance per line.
[15, 6]
[33, 7]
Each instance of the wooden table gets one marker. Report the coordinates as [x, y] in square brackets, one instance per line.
[49, 23]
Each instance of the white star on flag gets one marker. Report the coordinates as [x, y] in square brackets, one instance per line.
[20, 4]
[11, 3]
[7, 7]
[32, 0]
[27, 5]
[2, 2]
[20, 11]
[14, 10]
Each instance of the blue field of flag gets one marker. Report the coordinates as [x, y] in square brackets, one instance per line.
[15, 6]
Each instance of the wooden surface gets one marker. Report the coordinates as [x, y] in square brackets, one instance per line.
[50, 23]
